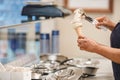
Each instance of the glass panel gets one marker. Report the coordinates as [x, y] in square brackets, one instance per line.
[19, 40]
[10, 11]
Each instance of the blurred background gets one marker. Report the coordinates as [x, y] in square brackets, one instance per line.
[12, 14]
[32, 29]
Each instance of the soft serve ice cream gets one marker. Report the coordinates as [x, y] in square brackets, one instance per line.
[77, 20]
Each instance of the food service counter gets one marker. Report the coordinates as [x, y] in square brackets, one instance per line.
[102, 76]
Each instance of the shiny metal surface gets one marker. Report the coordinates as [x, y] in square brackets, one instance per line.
[102, 76]
[57, 58]
[58, 67]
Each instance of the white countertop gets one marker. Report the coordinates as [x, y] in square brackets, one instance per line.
[107, 76]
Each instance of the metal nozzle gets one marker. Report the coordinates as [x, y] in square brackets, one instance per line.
[83, 14]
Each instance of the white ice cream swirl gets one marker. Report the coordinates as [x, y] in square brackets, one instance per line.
[78, 16]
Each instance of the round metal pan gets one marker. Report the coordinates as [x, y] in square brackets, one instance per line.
[58, 58]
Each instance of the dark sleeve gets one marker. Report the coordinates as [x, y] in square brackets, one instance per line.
[115, 37]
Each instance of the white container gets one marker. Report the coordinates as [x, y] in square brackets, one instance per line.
[44, 43]
[55, 41]
[4, 75]
[20, 75]
[15, 75]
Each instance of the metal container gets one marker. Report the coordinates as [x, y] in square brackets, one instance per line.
[57, 58]
[36, 76]
[88, 67]
[90, 71]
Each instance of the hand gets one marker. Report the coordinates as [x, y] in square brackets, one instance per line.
[87, 44]
[105, 21]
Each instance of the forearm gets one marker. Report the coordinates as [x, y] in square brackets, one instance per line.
[112, 26]
[108, 52]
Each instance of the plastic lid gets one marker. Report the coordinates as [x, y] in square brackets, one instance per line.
[55, 32]
[44, 36]
[24, 34]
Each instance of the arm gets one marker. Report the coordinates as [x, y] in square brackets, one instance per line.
[92, 46]
[108, 52]
[105, 21]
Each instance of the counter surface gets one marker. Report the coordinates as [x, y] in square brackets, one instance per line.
[106, 76]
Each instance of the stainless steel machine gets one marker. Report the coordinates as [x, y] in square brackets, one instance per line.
[44, 10]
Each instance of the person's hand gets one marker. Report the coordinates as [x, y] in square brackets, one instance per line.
[87, 44]
[105, 21]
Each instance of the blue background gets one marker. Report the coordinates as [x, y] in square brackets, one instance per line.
[10, 11]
